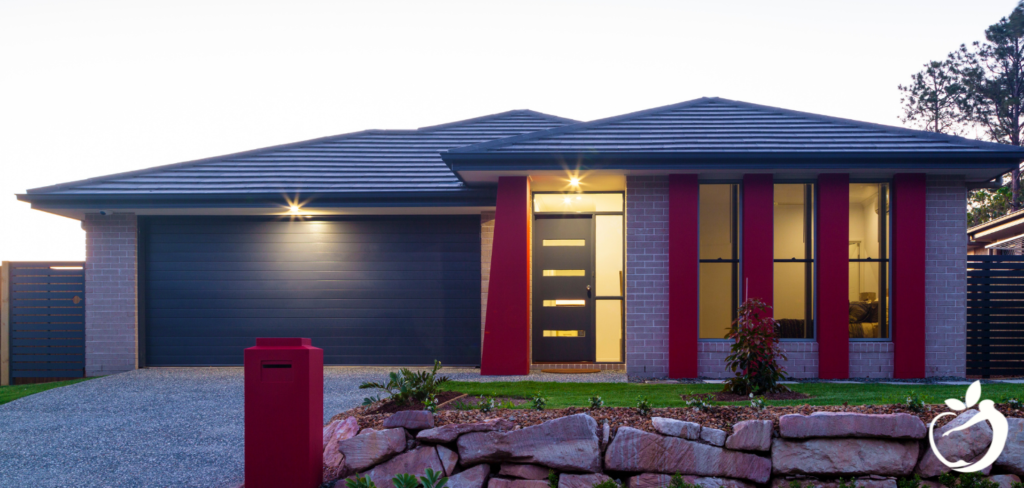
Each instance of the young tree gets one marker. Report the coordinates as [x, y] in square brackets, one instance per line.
[933, 99]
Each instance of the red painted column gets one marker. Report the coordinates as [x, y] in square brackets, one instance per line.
[833, 258]
[683, 275]
[908, 263]
[507, 324]
[758, 238]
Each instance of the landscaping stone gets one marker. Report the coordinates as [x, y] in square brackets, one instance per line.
[966, 444]
[565, 444]
[581, 480]
[654, 480]
[606, 434]
[862, 482]
[475, 477]
[334, 460]
[676, 428]
[449, 459]
[1004, 480]
[848, 424]
[371, 448]
[448, 433]
[637, 451]
[844, 457]
[413, 462]
[715, 437]
[410, 420]
[504, 483]
[1012, 458]
[524, 471]
[329, 431]
[751, 435]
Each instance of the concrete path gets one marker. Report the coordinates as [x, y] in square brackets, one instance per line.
[161, 427]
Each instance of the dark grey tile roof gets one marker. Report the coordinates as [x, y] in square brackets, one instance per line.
[716, 125]
[367, 161]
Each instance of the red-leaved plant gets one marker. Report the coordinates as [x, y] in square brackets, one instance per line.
[755, 353]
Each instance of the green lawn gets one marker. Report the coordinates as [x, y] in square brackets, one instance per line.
[14, 392]
[561, 395]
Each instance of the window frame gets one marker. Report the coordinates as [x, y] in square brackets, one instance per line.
[810, 272]
[737, 264]
[885, 231]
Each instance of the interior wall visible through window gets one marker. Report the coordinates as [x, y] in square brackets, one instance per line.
[869, 261]
[719, 263]
[793, 271]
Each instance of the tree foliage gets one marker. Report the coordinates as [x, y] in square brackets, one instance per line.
[978, 86]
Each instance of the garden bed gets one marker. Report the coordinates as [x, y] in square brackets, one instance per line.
[718, 417]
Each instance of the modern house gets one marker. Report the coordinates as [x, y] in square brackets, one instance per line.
[1001, 236]
[522, 240]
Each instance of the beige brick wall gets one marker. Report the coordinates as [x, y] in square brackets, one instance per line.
[946, 277]
[486, 244]
[111, 316]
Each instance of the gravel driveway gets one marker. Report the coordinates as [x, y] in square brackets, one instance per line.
[160, 427]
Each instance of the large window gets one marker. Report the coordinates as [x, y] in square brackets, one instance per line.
[793, 305]
[869, 261]
[719, 263]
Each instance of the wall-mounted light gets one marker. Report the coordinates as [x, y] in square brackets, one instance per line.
[293, 209]
[574, 181]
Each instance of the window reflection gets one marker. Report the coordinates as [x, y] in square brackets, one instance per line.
[793, 276]
[868, 281]
[719, 264]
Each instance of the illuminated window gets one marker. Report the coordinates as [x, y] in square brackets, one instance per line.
[793, 271]
[565, 303]
[869, 261]
[564, 242]
[577, 202]
[564, 272]
[719, 263]
[565, 333]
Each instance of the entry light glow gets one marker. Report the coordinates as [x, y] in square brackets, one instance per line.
[294, 209]
[574, 181]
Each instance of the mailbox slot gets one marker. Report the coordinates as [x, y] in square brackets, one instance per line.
[276, 372]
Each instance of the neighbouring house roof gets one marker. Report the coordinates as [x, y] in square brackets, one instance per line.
[371, 162]
[714, 130]
[1006, 228]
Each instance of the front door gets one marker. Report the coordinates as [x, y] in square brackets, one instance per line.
[563, 305]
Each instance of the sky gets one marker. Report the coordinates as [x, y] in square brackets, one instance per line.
[89, 88]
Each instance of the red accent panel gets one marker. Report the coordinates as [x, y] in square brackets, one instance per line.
[833, 276]
[908, 263]
[507, 326]
[284, 413]
[683, 275]
[758, 237]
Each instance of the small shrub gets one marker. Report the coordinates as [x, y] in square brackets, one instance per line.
[700, 403]
[914, 402]
[433, 479]
[914, 482]
[608, 484]
[966, 480]
[407, 386]
[370, 400]
[1016, 484]
[794, 484]
[364, 482]
[430, 405]
[405, 481]
[677, 481]
[486, 404]
[757, 403]
[552, 479]
[596, 402]
[849, 483]
[463, 406]
[755, 355]
[1014, 404]
[643, 406]
[539, 402]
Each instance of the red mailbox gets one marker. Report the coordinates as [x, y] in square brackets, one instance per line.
[284, 413]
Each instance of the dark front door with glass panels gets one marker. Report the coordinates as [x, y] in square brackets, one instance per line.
[578, 277]
[563, 327]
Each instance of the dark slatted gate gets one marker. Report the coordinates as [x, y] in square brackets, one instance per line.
[995, 315]
[47, 321]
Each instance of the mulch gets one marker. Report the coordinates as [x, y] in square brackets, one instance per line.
[718, 417]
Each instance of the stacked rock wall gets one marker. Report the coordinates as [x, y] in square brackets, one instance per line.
[816, 450]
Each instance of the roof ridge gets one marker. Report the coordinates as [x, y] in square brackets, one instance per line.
[553, 118]
[574, 127]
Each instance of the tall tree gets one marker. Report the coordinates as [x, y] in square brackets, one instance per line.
[981, 85]
[934, 97]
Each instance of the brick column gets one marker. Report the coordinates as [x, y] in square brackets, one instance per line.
[111, 294]
[647, 276]
[945, 276]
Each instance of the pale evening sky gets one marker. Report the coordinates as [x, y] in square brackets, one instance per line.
[96, 87]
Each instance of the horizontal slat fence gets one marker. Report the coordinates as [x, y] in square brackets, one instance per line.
[995, 315]
[45, 314]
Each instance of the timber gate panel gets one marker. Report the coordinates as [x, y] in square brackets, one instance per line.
[995, 315]
[47, 321]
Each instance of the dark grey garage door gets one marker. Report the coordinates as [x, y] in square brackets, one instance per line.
[391, 291]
